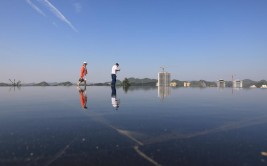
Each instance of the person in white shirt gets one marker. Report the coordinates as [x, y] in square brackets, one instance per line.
[114, 71]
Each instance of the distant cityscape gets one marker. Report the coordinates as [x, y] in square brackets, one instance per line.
[164, 80]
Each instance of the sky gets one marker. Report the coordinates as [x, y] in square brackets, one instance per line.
[48, 40]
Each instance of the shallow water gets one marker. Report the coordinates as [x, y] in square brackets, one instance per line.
[140, 126]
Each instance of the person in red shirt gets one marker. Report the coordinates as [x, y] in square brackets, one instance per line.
[83, 73]
[83, 97]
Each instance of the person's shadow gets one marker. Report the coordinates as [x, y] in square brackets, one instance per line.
[114, 101]
[83, 97]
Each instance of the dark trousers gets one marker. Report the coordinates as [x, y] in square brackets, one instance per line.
[113, 77]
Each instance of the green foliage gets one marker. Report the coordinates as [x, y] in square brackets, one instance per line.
[125, 83]
[64, 84]
[142, 82]
[42, 84]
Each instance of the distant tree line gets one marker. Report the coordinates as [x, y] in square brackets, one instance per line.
[127, 82]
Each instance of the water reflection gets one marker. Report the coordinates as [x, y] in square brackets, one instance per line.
[216, 124]
[139, 88]
[163, 91]
[14, 88]
[125, 88]
[114, 101]
[83, 97]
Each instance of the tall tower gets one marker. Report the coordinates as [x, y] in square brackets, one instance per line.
[164, 78]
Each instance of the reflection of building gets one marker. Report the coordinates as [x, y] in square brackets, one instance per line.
[187, 84]
[164, 79]
[163, 91]
[173, 84]
[221, 83]
[237, 84]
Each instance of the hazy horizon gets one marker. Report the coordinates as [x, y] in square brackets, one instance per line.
[51, 82]
[48, 40]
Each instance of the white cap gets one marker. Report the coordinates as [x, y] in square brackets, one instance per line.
[85, 62]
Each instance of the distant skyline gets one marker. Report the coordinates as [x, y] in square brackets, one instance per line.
[47, 40]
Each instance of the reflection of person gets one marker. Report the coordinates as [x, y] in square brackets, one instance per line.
[114, 70]
[83, 97]
[114, 101]
[83, 73]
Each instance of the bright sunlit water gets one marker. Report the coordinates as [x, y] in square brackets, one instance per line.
[67, 126]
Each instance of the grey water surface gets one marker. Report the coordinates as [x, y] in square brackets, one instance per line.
[52, 126]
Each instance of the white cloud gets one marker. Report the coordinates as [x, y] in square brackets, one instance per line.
[57, 13]
[54, 10]
[35, 7]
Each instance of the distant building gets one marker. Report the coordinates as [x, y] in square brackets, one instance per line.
[164, 83]
[164, 79]
[203, 84]
[237, 84]
[264, 86]
[253, 86]
[187, 84]
[173, 84]
[221, 83]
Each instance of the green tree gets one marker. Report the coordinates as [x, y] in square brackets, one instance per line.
[126, 83]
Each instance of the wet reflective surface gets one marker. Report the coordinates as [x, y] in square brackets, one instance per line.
[138, 126]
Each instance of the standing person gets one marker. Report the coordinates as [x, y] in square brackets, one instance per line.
[114, 70]
[83, 73]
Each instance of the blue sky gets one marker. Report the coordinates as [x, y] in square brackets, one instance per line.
[47, 40]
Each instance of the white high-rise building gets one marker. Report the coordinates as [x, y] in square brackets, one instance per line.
[237, 84]
[164, 79]
[221, 83]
